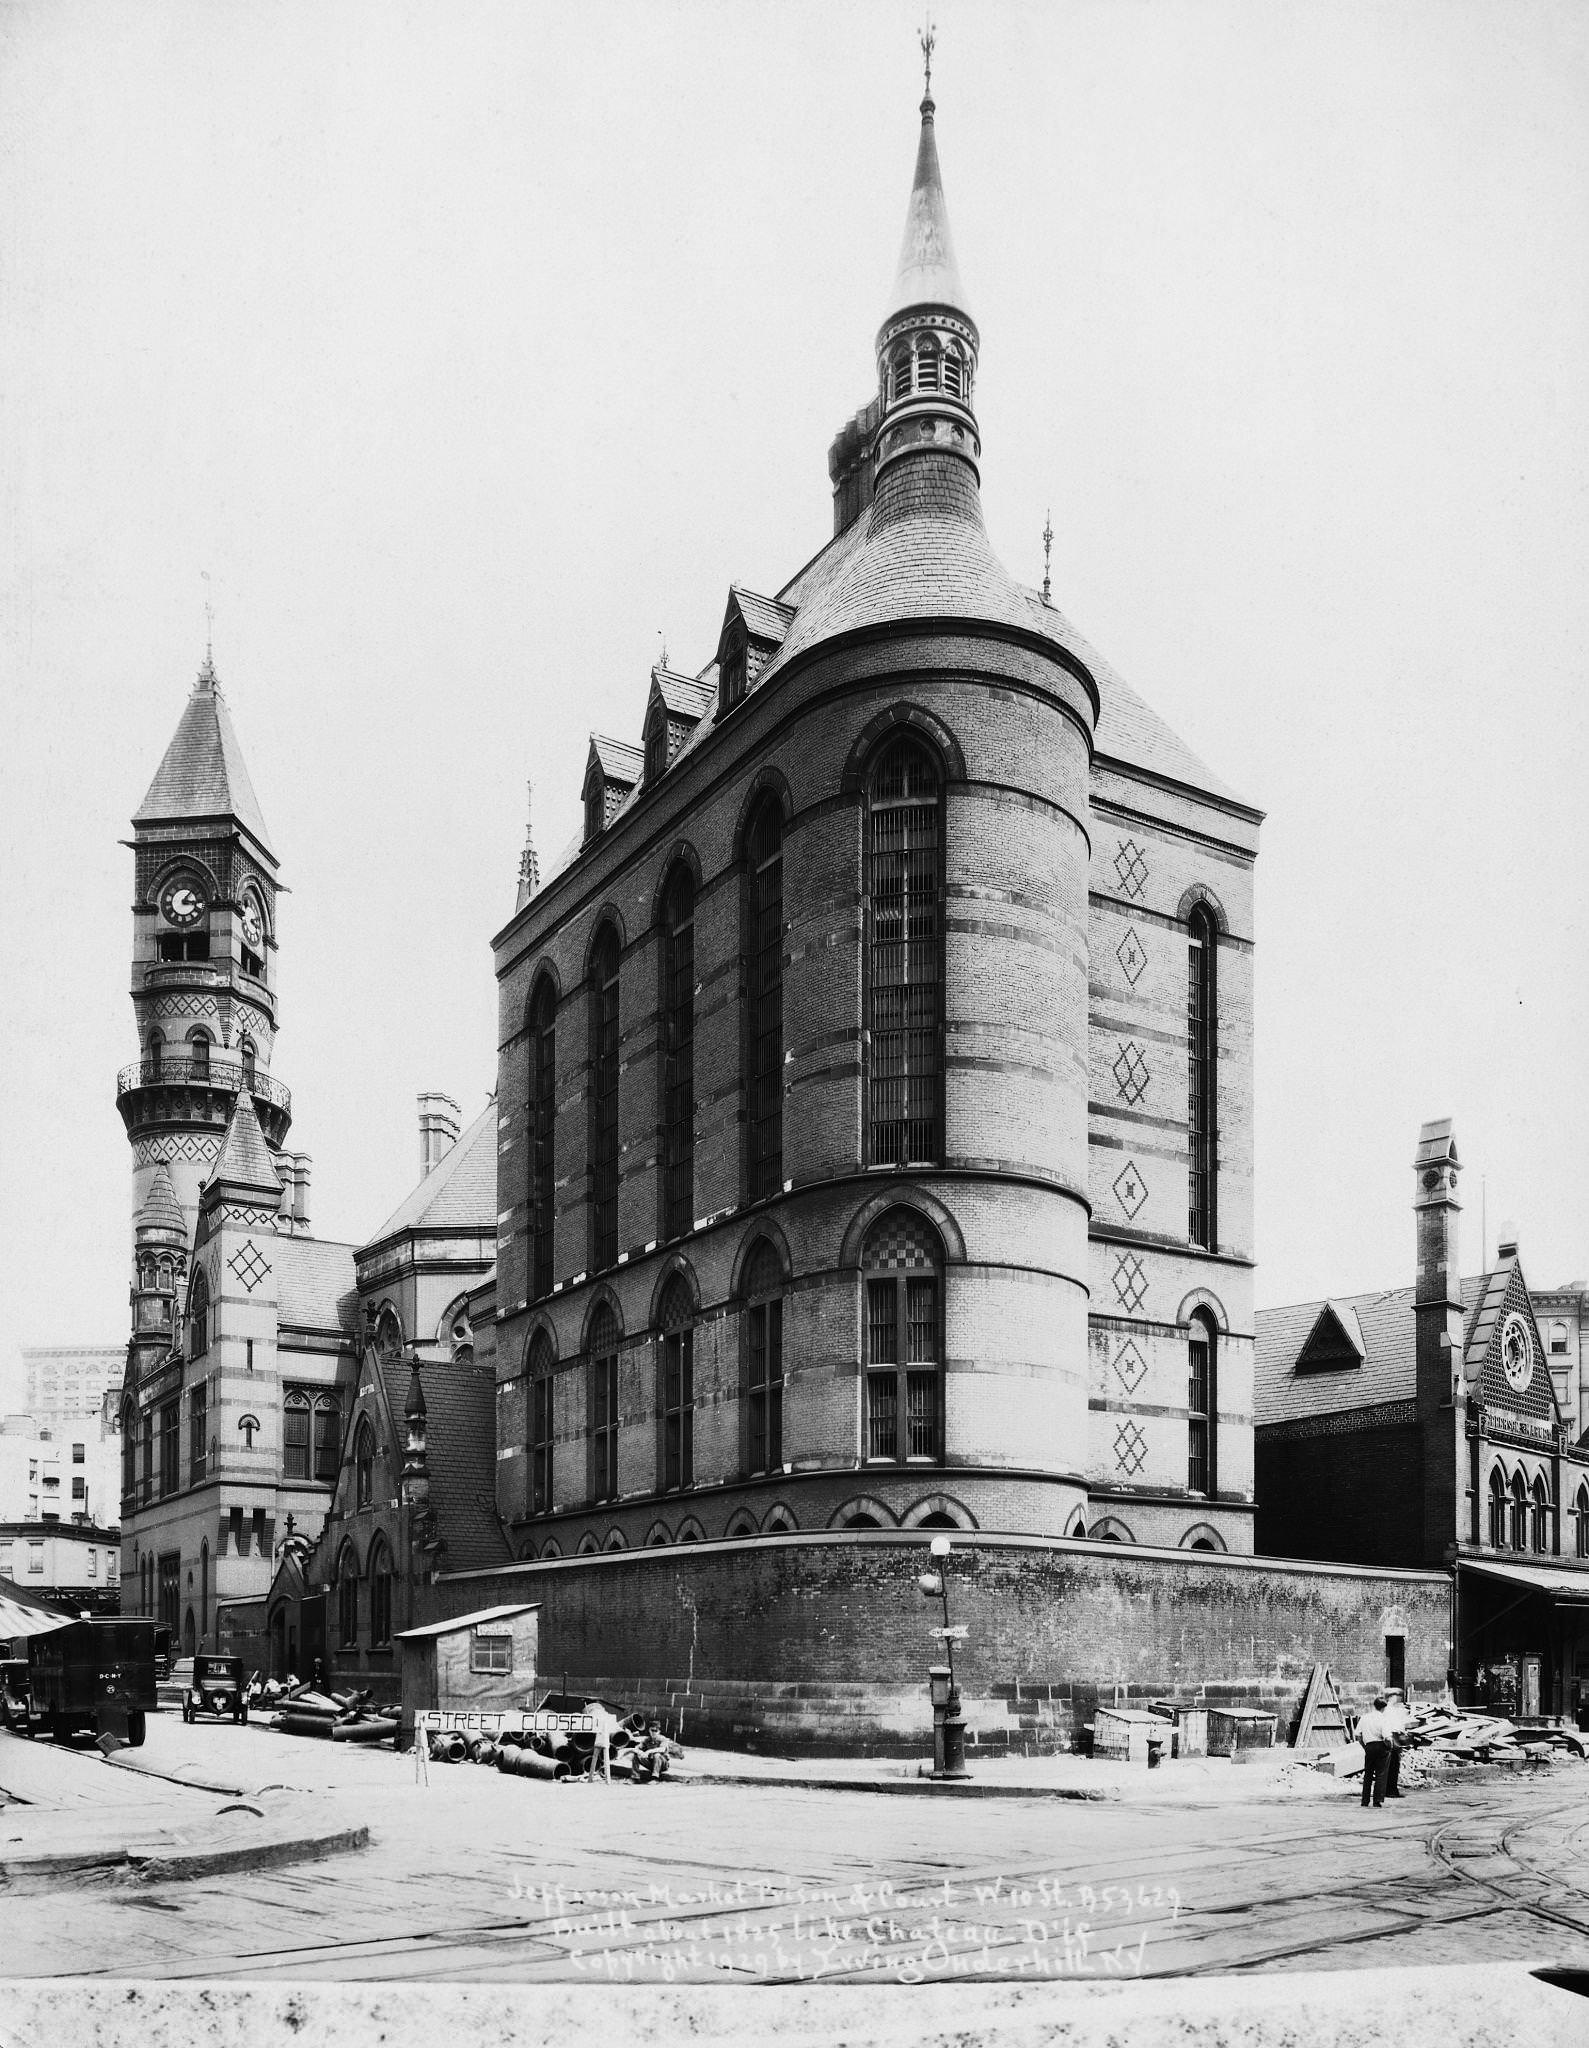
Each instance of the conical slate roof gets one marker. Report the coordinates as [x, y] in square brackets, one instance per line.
[203, 775]
[246, 1160]
[928, 274]
[161, 1210]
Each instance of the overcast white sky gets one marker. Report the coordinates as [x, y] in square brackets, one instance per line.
[467, 345]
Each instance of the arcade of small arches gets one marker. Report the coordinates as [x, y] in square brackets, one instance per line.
[1522, 1512]
[860, 1512]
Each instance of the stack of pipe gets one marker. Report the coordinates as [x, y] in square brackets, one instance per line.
[336, 1717]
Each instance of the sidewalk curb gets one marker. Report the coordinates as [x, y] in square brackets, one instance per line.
[929, 1788]
[163, 1866]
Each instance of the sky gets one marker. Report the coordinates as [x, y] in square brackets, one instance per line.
[471, 350]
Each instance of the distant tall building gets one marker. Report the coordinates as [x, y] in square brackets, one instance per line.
[70, 1379]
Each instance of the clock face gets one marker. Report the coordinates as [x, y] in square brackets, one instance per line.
[1517, 1352]
[253, 923]
[182, 903]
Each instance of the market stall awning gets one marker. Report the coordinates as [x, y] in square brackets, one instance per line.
[1559, 1582]
[22, 1615]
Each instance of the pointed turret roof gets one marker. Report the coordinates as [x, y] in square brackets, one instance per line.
[161, 1210]
[928, 274]
[203, 774]
[246, 1160]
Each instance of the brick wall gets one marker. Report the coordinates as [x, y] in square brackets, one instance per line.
[1349, 1493]
[823, 1643]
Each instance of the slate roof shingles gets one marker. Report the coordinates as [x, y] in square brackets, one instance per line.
[460, 1438]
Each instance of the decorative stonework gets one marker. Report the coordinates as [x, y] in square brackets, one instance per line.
[1131, 1072]
[1132, 955]
[1130, 1190]
[247, 1264]
[146, 1151]
[1131, 867]
[1131, 1449]
[1131, 1282]
[1131, 1366]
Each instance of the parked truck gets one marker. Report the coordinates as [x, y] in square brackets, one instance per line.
[94, 1677]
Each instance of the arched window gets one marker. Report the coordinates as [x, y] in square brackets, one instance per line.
[247, 1050]
[676, 1386]
[678, 1055]
[927, 367]
[348, 1598]
[604, 1099]
[1497, 1509]
[898, 376]
[953, 382]
[1558, 1339]
[389, 1334]
[154, 1055]
[363, 1463]
[602, 1372]
[539, 1372]
[1519, 1512]
[905, 957]
[1200, 1409]
[764, 1001]
[1202, 1077]
[1541, 1517]
[199, 1316]
[199, 1431]
[733, 669]
[380, 1595]
[657, 746]
[129, 1456]
[295, 1436]
[763, 1325]
[1583, 1521]
[199, 1052]
[204, 1590]
[542, 1132]
[902, 1266]
[327, 1437]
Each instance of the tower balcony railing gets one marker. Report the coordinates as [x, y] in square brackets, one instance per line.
[226, 1076]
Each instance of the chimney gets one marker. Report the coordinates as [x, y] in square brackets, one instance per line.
[1437, 1291]
[300, 1189]
[850, 465]
[1507, 1248]
[438, 1129]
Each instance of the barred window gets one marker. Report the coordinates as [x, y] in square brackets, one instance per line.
[198, 1432]
[1200, 1411]
[327, 1438]
[603, 1375]
[1497, 1509]
[380, 1596]
[678, 1055]
[604, 1099]
[539, 1371]
[295, 1437]
[199, 1316]
[363, 1463]
[676, 1386]
[905, 955]
[542, 1133]
[763, 1361]
[764, 953]
[902, 1268]
[1202, 1057]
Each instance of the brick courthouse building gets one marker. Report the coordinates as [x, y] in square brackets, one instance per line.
[875, 1088]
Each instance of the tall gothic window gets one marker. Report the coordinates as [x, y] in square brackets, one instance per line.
[604, 1099]
[1200, 1409]
[170, 1447]
[1497, 1509]
[295, 1426]
[539, 1372]
[764, 953]
[363, 1464]
[348, 1598]
[129, 1455]
[542, 1120]
[198, 1432]
[902, 1266]
[678, 1055]
[763, 1361]
[905, 957]
[199, 1049]
[1202, 1064]
[1541, 1506]
[1519, 1512]
[1583, 1521]
[380, 1595]
[603, 1386]
[327, 1437]
[199, 1316]
[676, 1386]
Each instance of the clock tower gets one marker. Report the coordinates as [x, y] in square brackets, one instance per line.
[203, 959]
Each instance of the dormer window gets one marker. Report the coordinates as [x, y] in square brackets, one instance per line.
[733, 670]
[595, 806]
[656, 748]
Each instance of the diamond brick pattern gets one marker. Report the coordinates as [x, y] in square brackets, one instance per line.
[1131, 868]
[247, 1264]
[1131, 1282]
[1131, 1072]
[1130, 1188]
[1132, 955]
[1131, 1366]
[1131, 1449]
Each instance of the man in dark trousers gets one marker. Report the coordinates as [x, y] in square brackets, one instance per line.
[1375, 1738]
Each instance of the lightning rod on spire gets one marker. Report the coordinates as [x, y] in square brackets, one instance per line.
[1048, 545]
[929, 43]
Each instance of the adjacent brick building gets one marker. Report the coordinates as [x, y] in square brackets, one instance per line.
[875, 1082]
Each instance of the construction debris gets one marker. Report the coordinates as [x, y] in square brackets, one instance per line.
[333, 1716]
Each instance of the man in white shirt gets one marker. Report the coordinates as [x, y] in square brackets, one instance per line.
[1372, 1735]
[606, 1724]
[1398, 1719]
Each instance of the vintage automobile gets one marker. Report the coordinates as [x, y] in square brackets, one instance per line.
[218, 1688]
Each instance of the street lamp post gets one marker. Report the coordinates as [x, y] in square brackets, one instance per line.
[948, 1724]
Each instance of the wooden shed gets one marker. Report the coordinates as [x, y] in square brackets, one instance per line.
[471, 1669]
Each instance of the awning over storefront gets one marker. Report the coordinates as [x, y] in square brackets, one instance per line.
[21, 1615]
[1559, 1582]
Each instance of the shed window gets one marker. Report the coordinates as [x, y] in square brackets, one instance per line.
[490, 1653]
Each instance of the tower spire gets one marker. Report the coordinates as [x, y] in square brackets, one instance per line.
[529, 863]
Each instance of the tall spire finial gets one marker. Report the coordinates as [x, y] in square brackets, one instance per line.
[929, 43]
[206, 678]
[1048, 544]
[529, 864]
